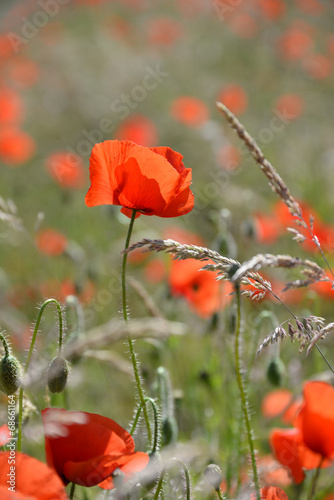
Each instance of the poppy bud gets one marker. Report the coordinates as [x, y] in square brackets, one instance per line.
[169, 430]
[57, 374]
[213, 475]
[10, 374]
[276, 371]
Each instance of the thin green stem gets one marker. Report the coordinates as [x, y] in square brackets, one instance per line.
[72, 491]
[315, 480]
[133, 357]
[220, 495]
[187, 477]
[243, 396]
[156, 423]
[31, 350]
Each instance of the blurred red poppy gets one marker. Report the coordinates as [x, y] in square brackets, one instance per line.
[271, 493]
[272, 472]
[229, 157]
[155, 271]
[276, 402]
[290, 105]
[316, 418]
[312, 7]
[85, 448]
[190, 111]
[235, 98]
[24, 72]
[163, 31]
[66, 169]
[32, 479]
[51, 242]
[11, 107]
[267, 228]
[153, 181]
[272, 9]
[318, 66]
[138, 129]
[295, 43]
[203, 292]
[242, 24]
[16, 146]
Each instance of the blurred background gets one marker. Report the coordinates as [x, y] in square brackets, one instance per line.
[77, 72]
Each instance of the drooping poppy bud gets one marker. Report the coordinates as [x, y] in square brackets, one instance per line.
[57, 374]
[276, 371]
[213, 475]
[10, 374]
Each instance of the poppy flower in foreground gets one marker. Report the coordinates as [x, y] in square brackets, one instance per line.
[32, 480]
[271, 493]
[85, 448]
[153, 181]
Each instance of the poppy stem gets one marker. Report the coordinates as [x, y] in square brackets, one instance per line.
[243, 395]
[155, 446]
[133, 356]
[72, 491]
[31, 350]
[315, 480]
[220, 495]
[187, 477]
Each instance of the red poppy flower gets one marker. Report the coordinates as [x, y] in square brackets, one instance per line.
[272, 472]
[272, 9]
[138, 129]
[312, 7]
[51, 242]
[276, 402]
[16, 147]
[190, 111]
[271, 493]
[202, 291]
[290, 105]
[235, 98]
[32, 479]
[267, 228]
[295, 43]
[86, 448]
[153, 181]
[316, 418]
[11, 107]
[291, 451]
[67, 169]
[318, 66]
[5, 435]
[163, 31]
[155, 271]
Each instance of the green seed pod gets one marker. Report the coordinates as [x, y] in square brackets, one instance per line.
[169, 430]
[276, 371]
[213, 475]
[57, 374]
[10, 374]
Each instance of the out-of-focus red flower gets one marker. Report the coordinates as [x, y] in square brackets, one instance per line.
[235, 98]
[291, 451]
[242, 24]
[271, 493]
[330, 44]
[272, 9]
[190, 111]
[290, 105]
[323, 288]
[138, 129]
[312, 7]
[204, 294]
[267, 228]
[229, 157]
[24, 72]
[295, 43]
[16, 146]
[11, 107]
[153, 181]
[164, 31]
[318, 66]
[276, 402]
[5, 435]
[51, 242]
[86, 448]
[272, 472]
[32, 480]
[316, 418]
[6, 48]
[66, 169]
[84, 291]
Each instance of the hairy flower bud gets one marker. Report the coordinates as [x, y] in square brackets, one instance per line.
[10, 374]
[276, 371]
[57, 374]
[213, 475]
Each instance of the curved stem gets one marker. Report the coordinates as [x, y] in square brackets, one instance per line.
[243, 396]
[156, 423]
[5, 345]
[133, 357]
[72, 491]
[187, 476]
[315, 480]
[31, 350]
